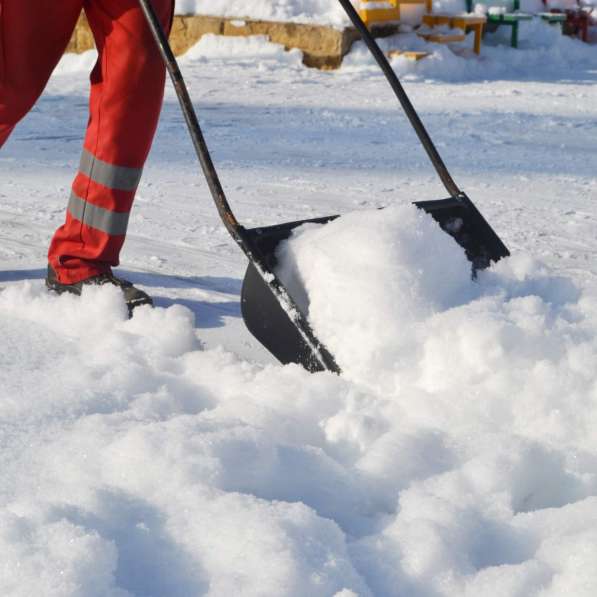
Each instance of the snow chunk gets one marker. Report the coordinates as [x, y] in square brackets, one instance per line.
[369, 279]
[55, 559]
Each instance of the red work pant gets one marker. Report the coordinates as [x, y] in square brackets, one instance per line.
[127, 86]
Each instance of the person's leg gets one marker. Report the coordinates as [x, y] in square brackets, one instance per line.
[127, 86]
[33, 36]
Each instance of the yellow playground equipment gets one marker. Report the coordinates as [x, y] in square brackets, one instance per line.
[386, 12]
[375, 12]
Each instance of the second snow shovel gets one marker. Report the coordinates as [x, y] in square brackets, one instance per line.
[268, 310]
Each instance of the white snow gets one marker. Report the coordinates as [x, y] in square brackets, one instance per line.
[330, 12]
[456, 455]
[323, 12]
[254, 50]
[542, 48]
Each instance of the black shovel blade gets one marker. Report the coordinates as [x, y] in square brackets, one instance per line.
[261, 310]
[459, 217]
[271, 325]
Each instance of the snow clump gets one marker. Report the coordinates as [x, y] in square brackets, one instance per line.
[456, 455]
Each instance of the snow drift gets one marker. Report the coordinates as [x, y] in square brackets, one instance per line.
[543, 52]
[455, 456]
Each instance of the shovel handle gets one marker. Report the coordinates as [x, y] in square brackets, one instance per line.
[407, 106]
[192, 121]
[239, 233]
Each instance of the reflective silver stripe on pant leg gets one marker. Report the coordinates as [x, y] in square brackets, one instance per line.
[120, 178]
[113, 223]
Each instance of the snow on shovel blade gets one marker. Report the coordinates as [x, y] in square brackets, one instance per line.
[269, 311]
[459, 217]
[274, 328]
[262, 311]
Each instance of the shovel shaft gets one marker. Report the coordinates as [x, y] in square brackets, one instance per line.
[192, 121]
[477, 238]
[407, 106]
[320, 354]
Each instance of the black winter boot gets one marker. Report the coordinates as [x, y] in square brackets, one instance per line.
[133, 297]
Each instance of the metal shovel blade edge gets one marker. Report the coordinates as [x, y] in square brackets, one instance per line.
[271, 325]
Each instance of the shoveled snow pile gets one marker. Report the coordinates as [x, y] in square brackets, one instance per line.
[539, 45]
[455, 456]
[395, 271]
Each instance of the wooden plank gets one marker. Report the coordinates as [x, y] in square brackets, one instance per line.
[442, 38]
[410, 54]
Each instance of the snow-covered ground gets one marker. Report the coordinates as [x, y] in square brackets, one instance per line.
[330, 12]
[326, 12]
[169, 455]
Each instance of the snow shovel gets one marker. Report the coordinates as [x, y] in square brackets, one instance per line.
[268, 310]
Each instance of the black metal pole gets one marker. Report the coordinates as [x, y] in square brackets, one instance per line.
[191, 119]
[238, 233]
[408, 108]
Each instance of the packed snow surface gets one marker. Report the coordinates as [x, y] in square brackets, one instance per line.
[456, 455]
